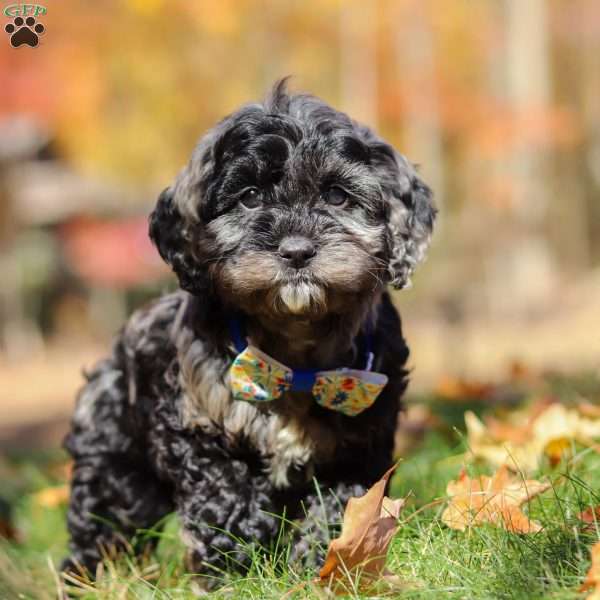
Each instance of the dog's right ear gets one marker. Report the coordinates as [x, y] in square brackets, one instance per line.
[168, 231]
[165, 227]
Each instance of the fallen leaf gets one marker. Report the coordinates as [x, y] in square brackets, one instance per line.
[52, 497]
[360, 551]
[544, 429]
[591, 517]
[459, 390]
[592, 580]
[587, 409]
[498, 448]
[496, 500]
[507, 432]
[519, 372]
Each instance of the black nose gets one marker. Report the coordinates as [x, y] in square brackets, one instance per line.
[296, 251]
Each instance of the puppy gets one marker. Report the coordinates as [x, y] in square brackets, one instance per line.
[279, 365]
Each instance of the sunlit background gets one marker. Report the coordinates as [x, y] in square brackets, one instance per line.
[497, 101]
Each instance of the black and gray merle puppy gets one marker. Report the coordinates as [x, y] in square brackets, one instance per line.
[279, 363]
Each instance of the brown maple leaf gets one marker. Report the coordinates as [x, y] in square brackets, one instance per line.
[460, 390]
[360, 552]
[591, 517]
[592, 580]
[496, 500]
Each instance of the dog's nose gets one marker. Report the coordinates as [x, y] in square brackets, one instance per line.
[296, 251]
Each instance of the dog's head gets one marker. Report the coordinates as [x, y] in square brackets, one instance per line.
[291, 207]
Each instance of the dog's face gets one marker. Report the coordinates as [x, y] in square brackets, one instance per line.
[291, 207]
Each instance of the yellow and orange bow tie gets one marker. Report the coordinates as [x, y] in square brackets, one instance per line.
[257, 377]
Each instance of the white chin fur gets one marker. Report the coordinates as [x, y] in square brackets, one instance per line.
[298, 297]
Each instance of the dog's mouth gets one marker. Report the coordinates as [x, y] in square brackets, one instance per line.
[299, 292]
[297, 276]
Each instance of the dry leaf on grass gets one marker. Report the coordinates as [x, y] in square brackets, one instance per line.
[544, 429]
[519, 372]
[459, 390]
[358, 556]
[587, 409]
[52, 497]
[496, 500]
[591, 517]
[592, 580]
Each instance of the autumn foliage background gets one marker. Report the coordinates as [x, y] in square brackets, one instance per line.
[499, 102]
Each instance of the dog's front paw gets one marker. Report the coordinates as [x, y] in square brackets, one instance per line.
[322, 521]
[308, 552]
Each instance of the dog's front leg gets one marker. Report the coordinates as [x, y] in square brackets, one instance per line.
[110, 500]
[320, 521]
[226, 512]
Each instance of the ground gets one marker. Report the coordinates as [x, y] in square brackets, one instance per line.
[432, 561]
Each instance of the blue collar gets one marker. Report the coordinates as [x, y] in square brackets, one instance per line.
[303, 379]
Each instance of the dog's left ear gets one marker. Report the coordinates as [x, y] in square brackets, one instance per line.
[411, 212]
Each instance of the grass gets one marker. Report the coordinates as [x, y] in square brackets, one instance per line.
[432, 561]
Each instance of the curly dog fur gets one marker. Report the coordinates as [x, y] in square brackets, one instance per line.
[156, 429]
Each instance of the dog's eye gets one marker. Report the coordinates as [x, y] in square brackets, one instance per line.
[251, 198]
[336, 196]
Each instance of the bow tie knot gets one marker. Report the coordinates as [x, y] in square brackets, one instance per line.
[256, 377]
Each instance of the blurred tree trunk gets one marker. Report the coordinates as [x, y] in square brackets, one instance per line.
[568, 220]
[590, 161]
[521, 271]
[415, 60]
[558, 228]
[528, 93]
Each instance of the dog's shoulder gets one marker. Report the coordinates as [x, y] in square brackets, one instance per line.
[151, 328]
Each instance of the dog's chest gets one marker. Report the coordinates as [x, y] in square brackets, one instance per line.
[285, 432]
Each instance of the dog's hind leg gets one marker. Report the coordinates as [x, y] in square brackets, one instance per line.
[110, 500]
[113, 491]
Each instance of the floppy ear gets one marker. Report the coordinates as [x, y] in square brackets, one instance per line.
[411, 223]
[177, 224]
[411, 212]
[172, 238]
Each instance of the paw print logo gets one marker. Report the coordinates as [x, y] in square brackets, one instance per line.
[24, 31]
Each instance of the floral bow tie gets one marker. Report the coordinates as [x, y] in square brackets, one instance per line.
[256, 377]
